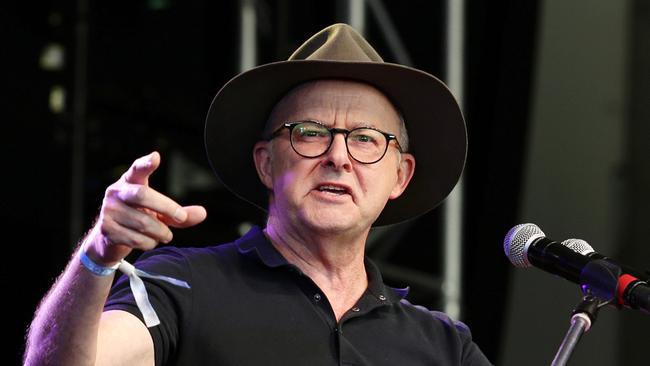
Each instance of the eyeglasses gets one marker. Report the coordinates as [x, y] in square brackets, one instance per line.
[311, 139]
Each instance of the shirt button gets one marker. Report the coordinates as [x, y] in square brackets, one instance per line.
[356, 309]
[382, 297]
[317, 297]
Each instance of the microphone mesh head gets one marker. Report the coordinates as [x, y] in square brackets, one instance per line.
[515, 241]
[578, 246]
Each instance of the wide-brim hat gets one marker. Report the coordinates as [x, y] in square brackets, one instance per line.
[435, 125]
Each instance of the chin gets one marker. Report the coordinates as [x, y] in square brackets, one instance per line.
[333, 221]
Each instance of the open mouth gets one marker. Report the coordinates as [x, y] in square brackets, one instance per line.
[337, 190]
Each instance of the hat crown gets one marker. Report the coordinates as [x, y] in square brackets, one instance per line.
[338, 42]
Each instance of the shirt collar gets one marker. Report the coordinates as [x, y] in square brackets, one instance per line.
[377, 287]
[255, 244]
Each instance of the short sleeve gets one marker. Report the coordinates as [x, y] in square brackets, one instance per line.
[452, 336]
[471, 354]
[173, 304]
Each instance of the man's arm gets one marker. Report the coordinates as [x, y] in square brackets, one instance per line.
[69, 327]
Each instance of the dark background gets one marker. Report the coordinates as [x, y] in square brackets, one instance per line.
[151, 69]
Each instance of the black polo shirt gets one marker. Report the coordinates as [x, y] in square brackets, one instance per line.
[248, 306]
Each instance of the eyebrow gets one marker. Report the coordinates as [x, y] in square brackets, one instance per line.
[358, 124]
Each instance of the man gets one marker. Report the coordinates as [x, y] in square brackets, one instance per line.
[321, 142]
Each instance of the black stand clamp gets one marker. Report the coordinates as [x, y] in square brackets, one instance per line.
[583, 317]
[599, 284]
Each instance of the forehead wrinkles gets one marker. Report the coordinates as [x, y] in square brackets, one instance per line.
[330, 98]
[313, 98]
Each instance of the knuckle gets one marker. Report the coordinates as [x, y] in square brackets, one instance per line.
[127, 239]
[111, 191]
[138, 193]
[132, 242]
[116, 190]
[165, 235]
[142, 222]
[147, 243]
[110, 211]
[108, 204]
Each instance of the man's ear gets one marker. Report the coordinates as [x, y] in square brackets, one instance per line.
[404, 174]
[262, 157]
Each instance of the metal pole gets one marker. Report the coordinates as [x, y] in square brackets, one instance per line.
[452, 228]
[453, 208]
[357, 15]
[580, 323]
[248, 35]
[389, 30]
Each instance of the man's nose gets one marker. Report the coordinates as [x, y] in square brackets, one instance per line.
[337, 155]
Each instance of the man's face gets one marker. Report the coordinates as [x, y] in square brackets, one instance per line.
[332, 192]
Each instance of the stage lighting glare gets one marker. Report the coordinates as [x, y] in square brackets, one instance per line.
[57, 99]
[52, 57]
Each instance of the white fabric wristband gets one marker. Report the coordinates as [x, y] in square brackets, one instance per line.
[140, 291]
[135, 282]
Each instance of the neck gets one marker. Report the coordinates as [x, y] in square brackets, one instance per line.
[317, 252]
[334, 262]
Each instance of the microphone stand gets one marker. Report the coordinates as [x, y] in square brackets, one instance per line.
[584, 315]
[599, 284]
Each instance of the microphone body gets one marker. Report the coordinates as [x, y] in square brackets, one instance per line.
[638, 274]
[636, 295]
[633, 290]
[576, 261]
[555, 258]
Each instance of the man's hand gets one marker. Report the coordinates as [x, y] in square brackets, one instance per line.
[135, 216]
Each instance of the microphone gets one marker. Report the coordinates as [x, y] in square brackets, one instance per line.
[582, 247]
[630, 291]
[526, 245]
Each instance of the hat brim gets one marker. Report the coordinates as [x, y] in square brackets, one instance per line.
[436, 129]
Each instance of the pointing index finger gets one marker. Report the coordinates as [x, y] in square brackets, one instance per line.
[142, 168]
[138, 195]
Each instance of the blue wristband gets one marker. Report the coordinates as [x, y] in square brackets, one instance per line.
[95, 268]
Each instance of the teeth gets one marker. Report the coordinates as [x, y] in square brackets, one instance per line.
[331, 188]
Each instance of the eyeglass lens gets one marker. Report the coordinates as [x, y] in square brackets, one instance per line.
[311, 139]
